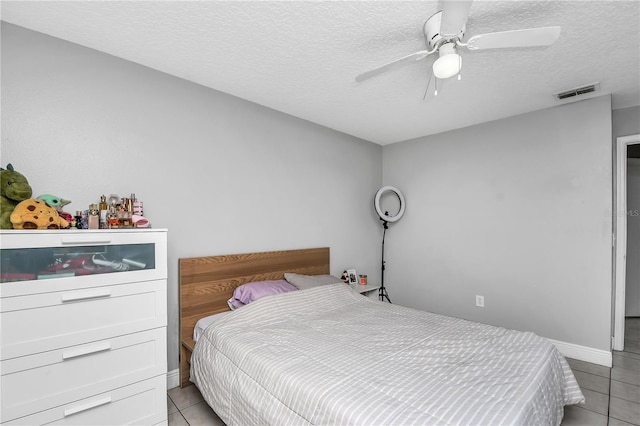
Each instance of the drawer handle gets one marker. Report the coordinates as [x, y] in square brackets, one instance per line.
[85, 240]
[74, 353]
[71, 297]
[87, 406]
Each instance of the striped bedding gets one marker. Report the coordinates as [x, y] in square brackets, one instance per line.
[329, 356]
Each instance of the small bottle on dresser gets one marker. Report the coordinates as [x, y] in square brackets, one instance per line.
[78, 218]
[94, 219]
[104, 209]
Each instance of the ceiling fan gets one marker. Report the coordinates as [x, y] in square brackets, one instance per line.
[444, 32]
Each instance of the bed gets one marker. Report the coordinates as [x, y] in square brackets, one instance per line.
[327, 355]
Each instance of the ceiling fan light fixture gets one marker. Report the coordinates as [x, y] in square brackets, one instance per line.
[449, 63]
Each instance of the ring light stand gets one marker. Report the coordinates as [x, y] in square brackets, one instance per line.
[386, 218]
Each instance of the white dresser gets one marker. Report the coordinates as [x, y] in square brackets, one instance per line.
[83, 317]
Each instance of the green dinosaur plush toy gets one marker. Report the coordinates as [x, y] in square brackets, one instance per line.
[14, 189]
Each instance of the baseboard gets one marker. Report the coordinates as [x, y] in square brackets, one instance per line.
[173, 378]
[584, 353]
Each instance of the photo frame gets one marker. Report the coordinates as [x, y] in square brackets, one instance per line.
[352, 275]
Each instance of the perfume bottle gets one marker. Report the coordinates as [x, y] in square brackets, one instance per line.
[112, 218]
[84, 218]
[104, 209]
[94, 218]
[113, 200]
[78, 218]
[137, 208]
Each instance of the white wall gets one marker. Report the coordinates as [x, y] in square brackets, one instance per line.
[223, 175]
[632, 293]
[516, 210]
[626, 121]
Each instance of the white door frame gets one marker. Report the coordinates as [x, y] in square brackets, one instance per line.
[620, 249]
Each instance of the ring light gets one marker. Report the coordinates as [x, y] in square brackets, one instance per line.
[386, 218]
[385, 215]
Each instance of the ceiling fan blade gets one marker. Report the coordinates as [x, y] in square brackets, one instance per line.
[414, 57]
[531, 37]
[454, 17]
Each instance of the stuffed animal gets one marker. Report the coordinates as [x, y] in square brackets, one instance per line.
[14, 189]
[36, 214]
[57, 203]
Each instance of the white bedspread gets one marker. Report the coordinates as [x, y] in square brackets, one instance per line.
[328, 356]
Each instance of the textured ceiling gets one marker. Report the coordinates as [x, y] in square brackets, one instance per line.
[301, 57]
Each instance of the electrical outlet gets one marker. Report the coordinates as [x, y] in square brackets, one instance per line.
[480, 301]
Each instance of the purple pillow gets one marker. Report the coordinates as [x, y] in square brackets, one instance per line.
[250, 292]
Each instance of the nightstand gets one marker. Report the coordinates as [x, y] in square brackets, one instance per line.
[365, 290]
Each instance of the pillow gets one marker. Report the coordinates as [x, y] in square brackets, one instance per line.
[247, 293]
[303, 282]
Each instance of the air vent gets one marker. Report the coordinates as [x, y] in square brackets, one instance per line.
[582, 90]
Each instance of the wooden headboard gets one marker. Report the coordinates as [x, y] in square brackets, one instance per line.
[206, 283]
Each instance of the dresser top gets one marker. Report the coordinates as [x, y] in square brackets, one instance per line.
[79, 231]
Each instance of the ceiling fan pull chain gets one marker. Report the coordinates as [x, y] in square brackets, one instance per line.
[428, 85]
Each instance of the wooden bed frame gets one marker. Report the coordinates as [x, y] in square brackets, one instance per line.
[206, 283]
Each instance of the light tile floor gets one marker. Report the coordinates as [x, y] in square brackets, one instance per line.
[186, 407]
[612, 394]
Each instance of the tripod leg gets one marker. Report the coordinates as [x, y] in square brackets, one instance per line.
[382, 294]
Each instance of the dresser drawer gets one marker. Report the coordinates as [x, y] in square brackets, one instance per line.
[50, 379]
[48, 321]
[140, 403]
[44, 261]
